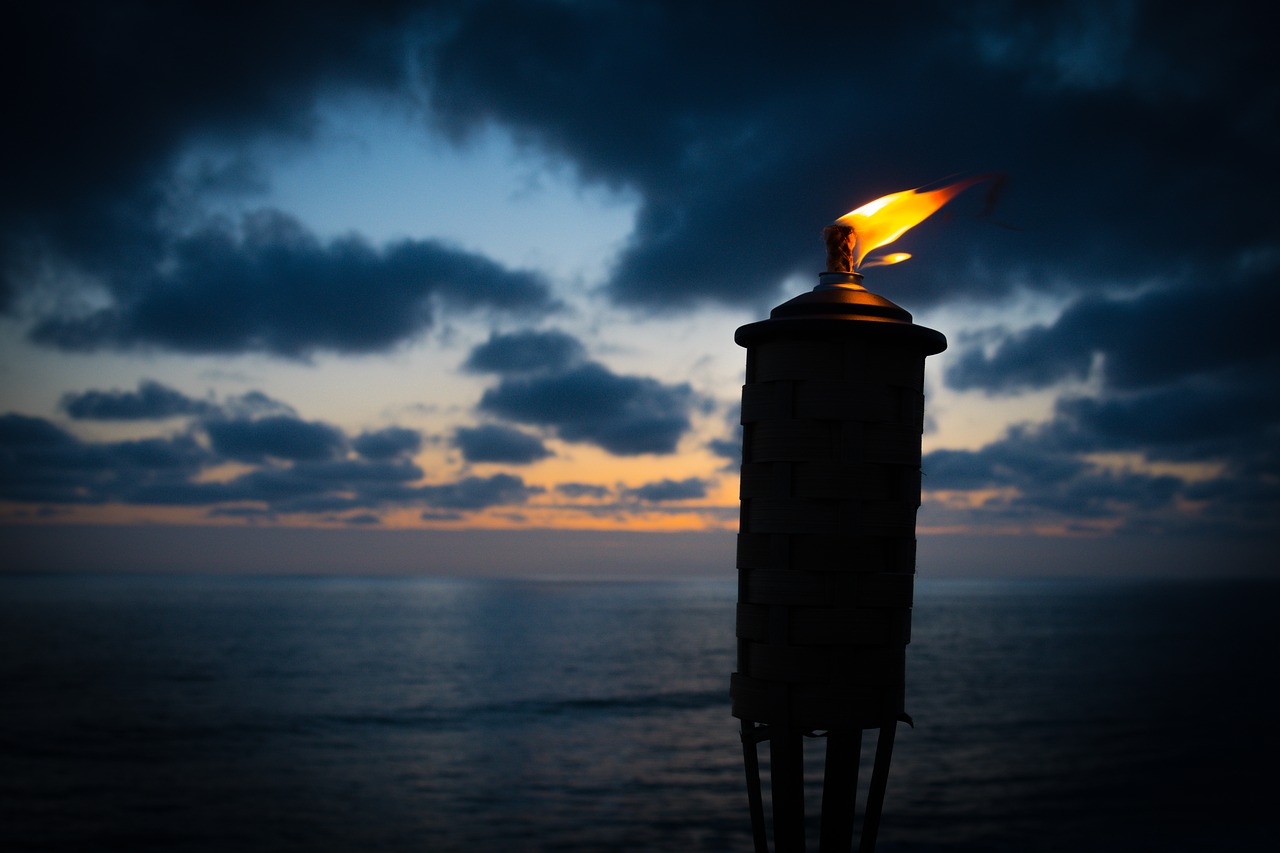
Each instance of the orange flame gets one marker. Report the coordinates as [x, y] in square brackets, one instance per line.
[888, 260]
[880, 222]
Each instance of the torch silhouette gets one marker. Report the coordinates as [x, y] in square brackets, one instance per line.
[832, 415]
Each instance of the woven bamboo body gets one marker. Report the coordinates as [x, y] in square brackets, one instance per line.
[832, 414]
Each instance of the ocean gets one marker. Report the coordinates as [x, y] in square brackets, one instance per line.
[174, 713]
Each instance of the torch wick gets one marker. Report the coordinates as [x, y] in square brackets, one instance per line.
[840, 241]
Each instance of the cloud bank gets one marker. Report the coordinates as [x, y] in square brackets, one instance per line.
[1138, 203]
[286, 465]
[546, 382]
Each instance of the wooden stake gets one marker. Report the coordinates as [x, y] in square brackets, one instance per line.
[840, 791]
[751, 756]
[879, 782]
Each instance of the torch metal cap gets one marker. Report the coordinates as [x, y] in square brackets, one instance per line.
[840, 305]
[839, 279]
[841, 294]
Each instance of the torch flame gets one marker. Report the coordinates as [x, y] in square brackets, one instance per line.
[880, 222]
[888, 260]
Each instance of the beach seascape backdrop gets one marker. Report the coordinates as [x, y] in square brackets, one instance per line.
[371, 417]
[228, 713]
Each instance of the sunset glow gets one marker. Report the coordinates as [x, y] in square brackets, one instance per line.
[266, 270]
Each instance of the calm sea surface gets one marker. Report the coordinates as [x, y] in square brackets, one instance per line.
[211, 714]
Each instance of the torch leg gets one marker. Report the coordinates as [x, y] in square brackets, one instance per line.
[879, 782]
[751, 757]
[840, 790]
[786, 777]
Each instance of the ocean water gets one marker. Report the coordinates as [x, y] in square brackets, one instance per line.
[278, 714]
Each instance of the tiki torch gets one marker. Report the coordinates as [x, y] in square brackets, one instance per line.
[832, 415]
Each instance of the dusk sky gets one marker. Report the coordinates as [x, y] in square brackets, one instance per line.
[284, 282]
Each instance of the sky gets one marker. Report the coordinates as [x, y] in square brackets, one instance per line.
[470, 271]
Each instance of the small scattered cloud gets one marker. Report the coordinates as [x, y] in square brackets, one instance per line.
[1178, 374]
[1058, 473]
[667, 490]
[276, 436]
[730, 447]
[271, 286]
[1165, 334]
[526, 352]
[152, 401]
[297, 466]
[387, 443]
[275, 466]
[579, 491]
[474, 493]
[42, 463]
[438, 515]
[1024, 457]
[494, 443]
[252, 404]
[546, 381]
[625, 415]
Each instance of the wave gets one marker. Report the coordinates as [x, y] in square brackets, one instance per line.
[431, 716]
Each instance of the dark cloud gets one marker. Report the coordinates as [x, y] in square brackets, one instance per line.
[748, 130]
[387, 443]
[625, 415]
[42, 463]
[576, 491]
[473, 493]
[252, 404]
[1027, 478]
[660, 491]
[111, 93]
[1022, 458]
[152, 401]
[1183, 373]
[115, 96]
[276, 436]
[1226, 433]
[547, 382]
[250, 514]
[155, 401]
[1251, 502]
[1183, 421]
[728, 449]
[440, 515]
[302, 487]
[526, 352]
[1159, 336]
[493, 443]
[137, 79]
[298, 467]
[1139, 184]
[328, 485]
[274, 287]
[740, 130]
[21, 431]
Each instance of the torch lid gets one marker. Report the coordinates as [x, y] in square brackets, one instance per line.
[840, 305]
[842, 294]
